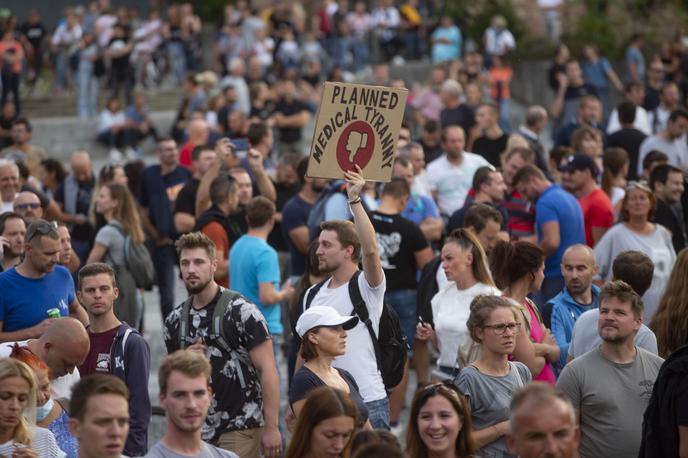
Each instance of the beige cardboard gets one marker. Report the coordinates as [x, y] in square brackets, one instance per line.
[356, 124]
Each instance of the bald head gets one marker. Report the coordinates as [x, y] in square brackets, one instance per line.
[198, 131]
[66, 331]
[81, 166]
[63, 346]
[578, 267]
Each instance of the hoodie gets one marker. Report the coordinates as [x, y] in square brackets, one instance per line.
[130, 362]
[565, 312]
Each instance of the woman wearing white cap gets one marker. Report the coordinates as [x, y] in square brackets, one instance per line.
[323, 334]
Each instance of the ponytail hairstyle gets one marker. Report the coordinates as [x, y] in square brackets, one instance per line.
[511, 261]
[467, 241]
[613, 162]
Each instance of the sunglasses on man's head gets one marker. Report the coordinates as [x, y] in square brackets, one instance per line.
[44, 228]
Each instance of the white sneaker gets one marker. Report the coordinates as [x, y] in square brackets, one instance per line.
[397, 430]
[115, 155]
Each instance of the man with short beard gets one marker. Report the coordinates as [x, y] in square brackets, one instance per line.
[610, 387]
[28, 206]
[37, 289]
[12, 231]
[295, 218]
[185, 394]
[579, 295]
[244, 411]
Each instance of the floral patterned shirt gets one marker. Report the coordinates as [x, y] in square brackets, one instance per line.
[237, 401]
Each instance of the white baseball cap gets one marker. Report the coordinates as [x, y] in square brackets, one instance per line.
[323, 315]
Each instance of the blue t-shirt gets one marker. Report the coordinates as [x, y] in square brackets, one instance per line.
[419, 208]
[253, 262]
[446, 51]
[25, 302]
[555, 204]
[295, 214]
[596, 74]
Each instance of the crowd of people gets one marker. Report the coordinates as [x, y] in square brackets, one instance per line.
[537, 293]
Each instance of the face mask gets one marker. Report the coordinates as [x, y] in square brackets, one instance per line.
[44, 410]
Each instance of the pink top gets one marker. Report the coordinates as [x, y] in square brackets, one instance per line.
[536, 334]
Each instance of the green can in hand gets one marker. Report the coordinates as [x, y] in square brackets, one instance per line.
[54, 313]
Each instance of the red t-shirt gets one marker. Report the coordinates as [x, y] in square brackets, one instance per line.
[98, 359]
[217, 234]
[185, 155]
[597, 212]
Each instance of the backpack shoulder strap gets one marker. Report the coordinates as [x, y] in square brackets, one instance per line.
[227, 343]
[313, 292]
[361, 310]
[184, 322]
[124, 339]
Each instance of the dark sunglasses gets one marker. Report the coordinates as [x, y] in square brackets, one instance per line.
[44, 228]
[32, 206]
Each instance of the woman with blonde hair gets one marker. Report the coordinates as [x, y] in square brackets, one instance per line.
[50, 413]
[670, 322]
[465, 264]
[116, 204]
[19, 437]
[326, 426]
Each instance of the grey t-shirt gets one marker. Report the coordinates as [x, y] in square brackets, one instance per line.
[611, 399]
[207, 451]
[111, 238]
[586, 337]
[489, 397]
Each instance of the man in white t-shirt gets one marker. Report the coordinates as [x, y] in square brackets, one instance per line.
[342, 245]
[450, 176]
[63, 346]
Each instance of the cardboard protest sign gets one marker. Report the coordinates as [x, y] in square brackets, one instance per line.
[356, 124]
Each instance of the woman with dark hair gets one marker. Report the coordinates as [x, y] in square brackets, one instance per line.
[490, 382]
[670, 322]
[117, 205]
[311, 276]
[323, 334]
[325, 427]
[50, 412]
[518, 268]
[637, 232]
[440, 423]
[615, 165]
[51, 174]
[465, 265]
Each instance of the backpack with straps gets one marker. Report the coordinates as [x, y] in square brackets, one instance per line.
[390, 344]
[137, 260]
[217, 331]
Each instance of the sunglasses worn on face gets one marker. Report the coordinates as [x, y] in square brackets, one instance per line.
[32, 206]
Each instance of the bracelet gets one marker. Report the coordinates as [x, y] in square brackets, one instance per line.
[357, 200]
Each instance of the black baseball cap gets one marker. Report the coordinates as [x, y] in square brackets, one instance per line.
[579, 162]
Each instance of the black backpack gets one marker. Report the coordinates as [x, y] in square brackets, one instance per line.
[137, 260]
[390, 345]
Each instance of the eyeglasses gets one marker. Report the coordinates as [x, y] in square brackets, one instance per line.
[32, 206]
[500, 329]
[42, 228]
